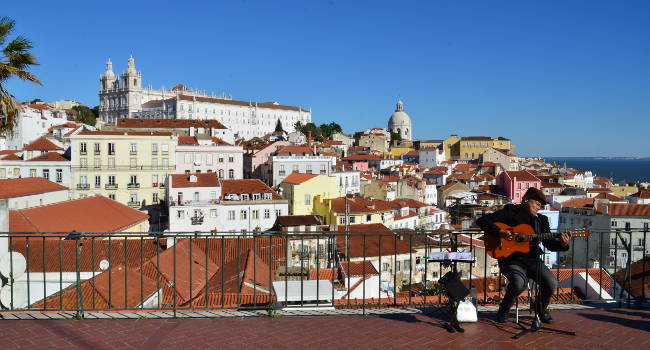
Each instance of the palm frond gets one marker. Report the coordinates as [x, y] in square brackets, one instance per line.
[21, 60]
[9, 110]
[19, 45]
[24, 75]
[6, 26]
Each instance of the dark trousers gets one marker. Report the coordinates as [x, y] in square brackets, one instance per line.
[518, 272]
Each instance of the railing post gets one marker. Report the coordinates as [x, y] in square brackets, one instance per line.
[80, 313]
[645, 233]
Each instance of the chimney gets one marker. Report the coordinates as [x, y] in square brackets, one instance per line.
[308, 138]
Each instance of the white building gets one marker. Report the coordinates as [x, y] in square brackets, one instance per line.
[41, 158]
[32, 192]
[431, 157]
[349, 181]
[202, 202]
[124, 97]
[202, 154]
[298, 159]
[34, 121]
[400, 122]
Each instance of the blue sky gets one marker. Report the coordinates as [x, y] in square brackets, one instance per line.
[560, 78]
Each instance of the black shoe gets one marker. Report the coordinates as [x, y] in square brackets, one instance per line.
[545, 317]
[502, 317]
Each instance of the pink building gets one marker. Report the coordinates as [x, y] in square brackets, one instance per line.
[205, 154]
[258, 154]
[515, 183]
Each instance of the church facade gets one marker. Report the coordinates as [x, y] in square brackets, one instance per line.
[123, 97]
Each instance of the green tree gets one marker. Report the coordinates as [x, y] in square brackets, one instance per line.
[395, 137]
[85, 115]
[278, 126]
[15, 60]
[95, 111]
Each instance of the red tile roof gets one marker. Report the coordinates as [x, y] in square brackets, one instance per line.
[49, 157]
[476, 138]
[295, 149]
[201, 180]
[298, 178]
[126, 133]
[522, 175]
[579, 203]
[642, 195]
[608, 196]
[27, 186]
[42, 144]
[625, 209]
[11, 156]
[9, 151]
[356, 268]
[187, 140]
[362, 157]
[159, 123]
[270, 105]
[247, 186]
[92, 214]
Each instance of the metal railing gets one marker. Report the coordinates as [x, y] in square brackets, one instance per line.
[81, 271]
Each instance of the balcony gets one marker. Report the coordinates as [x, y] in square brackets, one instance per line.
[83, 153]
[97, 153]
[133, 204]
[133, 185]
[133, 153]
[111, 186]
[197, 220]
[83, 186]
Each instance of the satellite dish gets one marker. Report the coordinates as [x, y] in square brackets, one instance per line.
[104, 264]
[13, 268]
[19, 296]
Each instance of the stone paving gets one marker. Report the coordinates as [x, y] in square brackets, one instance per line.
[404, 329]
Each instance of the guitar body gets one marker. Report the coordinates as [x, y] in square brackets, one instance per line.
[498, 247]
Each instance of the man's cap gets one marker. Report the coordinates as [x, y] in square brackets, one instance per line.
[536, 194]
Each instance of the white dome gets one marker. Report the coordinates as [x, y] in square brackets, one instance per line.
[400, 122]
[399, 118]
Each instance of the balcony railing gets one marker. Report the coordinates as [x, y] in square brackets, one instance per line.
[134, 204]
[83, 186]
[355, 269]
[133, 185]
[197, 220]
[111, 186]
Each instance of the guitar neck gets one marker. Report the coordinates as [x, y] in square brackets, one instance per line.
[542, 236]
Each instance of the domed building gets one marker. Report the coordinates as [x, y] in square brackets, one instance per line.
[400, 122]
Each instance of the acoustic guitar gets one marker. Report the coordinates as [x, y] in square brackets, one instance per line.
[499, 247]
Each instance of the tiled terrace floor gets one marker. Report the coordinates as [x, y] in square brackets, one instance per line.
[596, 329]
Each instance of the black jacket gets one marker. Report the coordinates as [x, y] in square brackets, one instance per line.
[513, 215]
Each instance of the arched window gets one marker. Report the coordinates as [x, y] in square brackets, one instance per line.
[221, 173]
[135, 82]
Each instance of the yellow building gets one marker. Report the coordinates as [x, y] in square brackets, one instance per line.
[301, 189]
[472, 147]
[129, 167]
[400, 151]
[622, 191]
[360, 211]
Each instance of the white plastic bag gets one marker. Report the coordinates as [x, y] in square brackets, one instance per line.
[466, 311]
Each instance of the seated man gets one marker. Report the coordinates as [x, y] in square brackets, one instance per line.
[519, 267]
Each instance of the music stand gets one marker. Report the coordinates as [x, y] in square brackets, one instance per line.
[536, 324]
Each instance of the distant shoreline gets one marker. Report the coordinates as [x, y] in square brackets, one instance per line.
[600, 158]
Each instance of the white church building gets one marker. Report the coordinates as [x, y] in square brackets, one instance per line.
[124, 97]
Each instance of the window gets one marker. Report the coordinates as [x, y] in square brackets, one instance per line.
[165, 163]
[111, 180]
[243, 214]
[59, 175]
[165, 149]
[220, 173]
[180, 214]
[133, 179]
[308, 169]
[295, 168]
[111, 196]
[111, 163]
[281, 172]
[98, 181]
[221, 159]
[82, 148]
[323, 171]
[342, 220]
[3, 173]
[231, 159]
[97, 148]
[384, 266]
[154, 148]
[213, 213]
[407, 264]
[627, 226]
[398, 266]
[32, 172]
[517, 195]
[268, 196]
[231, 215]
[83, 162]
[208, 159]
[154, 163]
[519, 186]
[83, 180]
[614, 223]
[255, 214]
[368, 217]
[645, 227]
[188, 158]
[278, 212]
[46, 173]
[196, 196]
[97, 162]
[231, 174]
[154, 197]
[111, 149]
[133, 163]
[267, 213]
[353, 219]
[307, 199]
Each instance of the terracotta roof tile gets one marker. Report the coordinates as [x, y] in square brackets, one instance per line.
[375, 233]
[92, 214]
[579, 203]
[49, 157]
[642, 195]
[298, 178]
[522, 175]
[247, 186]
[270, 105]
[356, 268]
[295, 149]
[42, 144]
[27, 186]
[11, 156]
[625, 209]
[200, 180]
[159, 123]
[126, 133]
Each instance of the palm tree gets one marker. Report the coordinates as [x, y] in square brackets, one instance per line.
[15, 60]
